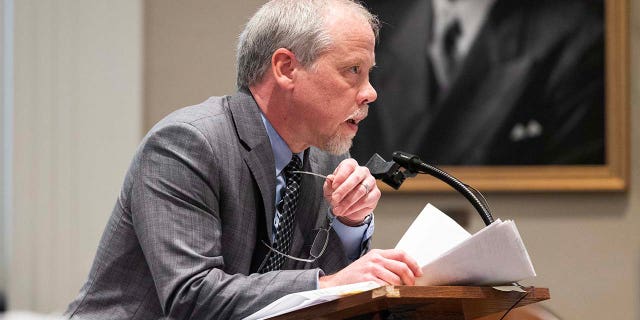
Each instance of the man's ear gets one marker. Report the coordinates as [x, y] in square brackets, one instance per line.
[283, 66]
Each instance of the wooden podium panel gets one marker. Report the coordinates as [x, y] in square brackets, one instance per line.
[419, 302]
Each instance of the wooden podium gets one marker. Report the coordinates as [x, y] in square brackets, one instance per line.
[417, 302]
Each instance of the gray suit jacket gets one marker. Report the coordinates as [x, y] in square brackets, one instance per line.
[184, 238]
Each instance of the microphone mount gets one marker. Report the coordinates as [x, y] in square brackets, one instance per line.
[405, 165]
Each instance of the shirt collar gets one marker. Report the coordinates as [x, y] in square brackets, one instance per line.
[281, 152]
[470, 13]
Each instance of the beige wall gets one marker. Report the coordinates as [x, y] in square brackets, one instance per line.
[3, 175]
[585, 247]
[78, 118]
[190, 51]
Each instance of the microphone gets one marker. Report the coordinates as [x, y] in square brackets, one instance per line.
[406, 165]
[389, 172]
[409, 161]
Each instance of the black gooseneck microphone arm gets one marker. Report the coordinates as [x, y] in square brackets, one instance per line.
[405, 165]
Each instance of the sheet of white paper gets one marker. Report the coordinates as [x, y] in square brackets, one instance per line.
[299, 300]
[494, 255]
[431, 234]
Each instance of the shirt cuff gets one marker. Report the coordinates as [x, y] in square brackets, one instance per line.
[354, 239]
[318, 280]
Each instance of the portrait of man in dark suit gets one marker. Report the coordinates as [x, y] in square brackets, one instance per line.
[488, 82]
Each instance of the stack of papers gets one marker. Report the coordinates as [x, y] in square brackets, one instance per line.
[449, 255]
[299, 300]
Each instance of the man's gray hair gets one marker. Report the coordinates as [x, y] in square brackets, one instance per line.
[297, 25]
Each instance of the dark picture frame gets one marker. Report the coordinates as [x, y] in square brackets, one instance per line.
[611, 175]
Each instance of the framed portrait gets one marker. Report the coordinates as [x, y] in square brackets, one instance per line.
[504, 95]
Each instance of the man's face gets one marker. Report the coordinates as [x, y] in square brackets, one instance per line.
[331, 96]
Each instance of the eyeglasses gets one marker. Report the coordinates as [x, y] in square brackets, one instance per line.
[318, 247]
[320, 242]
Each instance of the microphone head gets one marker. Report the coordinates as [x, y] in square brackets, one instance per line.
[402, 156]
[378, 166]
[387, 171]
[409, 161]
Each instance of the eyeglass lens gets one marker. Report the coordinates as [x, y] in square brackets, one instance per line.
[319, 243]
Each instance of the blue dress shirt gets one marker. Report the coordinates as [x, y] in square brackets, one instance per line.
[353, 238]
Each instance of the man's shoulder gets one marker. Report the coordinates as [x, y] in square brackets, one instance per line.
[200, 122]
[217, 112]
[211, 108]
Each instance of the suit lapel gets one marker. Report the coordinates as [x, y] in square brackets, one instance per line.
[396, 75]
[259, 155]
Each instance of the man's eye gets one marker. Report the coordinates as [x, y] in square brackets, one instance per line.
[355, 69]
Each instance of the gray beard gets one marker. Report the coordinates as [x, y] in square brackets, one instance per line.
[338, 145]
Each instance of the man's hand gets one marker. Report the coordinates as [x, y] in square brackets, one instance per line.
[385, 267]
[351, 191]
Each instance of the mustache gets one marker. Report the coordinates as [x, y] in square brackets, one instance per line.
[361, 113]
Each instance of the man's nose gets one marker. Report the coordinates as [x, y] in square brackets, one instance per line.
[367, 95]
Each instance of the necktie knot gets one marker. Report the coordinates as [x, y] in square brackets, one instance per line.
[294, 165]
[444, 52]
[450, 39]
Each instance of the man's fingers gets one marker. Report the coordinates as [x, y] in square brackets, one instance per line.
[352, 184]
[357, 200]
[342, 172]
[327, 187]
[382, 264]
[387, 275]
[400, 255]
[401, 271]
[358, 192]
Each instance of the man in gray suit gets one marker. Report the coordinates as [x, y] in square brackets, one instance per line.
[210, 198]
